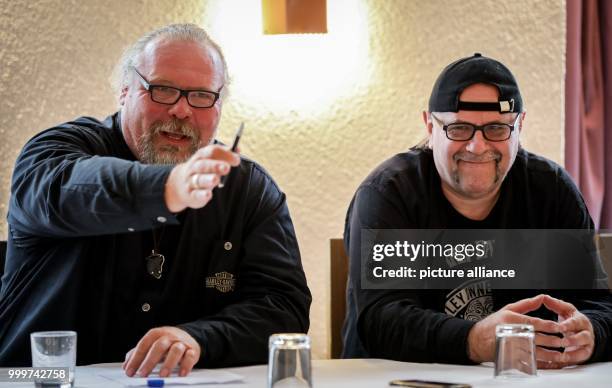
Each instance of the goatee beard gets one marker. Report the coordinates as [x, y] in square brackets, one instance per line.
[457, 177]
[167, 153]
[467, 156]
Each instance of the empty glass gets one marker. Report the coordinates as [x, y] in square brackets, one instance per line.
[54, 349]
[515, 351]
[289, 361]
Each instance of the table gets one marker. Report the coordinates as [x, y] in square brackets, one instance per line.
[371, 373]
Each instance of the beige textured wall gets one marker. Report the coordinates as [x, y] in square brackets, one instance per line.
[321, 111]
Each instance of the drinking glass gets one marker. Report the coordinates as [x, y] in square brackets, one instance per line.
[515, 351]
[54, 349]
[289, 361]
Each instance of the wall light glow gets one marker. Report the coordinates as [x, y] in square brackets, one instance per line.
[302, 73]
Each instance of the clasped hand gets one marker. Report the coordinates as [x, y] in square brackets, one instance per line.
[576, 329]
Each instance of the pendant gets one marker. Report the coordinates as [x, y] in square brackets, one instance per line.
[155, 264]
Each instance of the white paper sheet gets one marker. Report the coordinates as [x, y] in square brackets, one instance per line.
[197, 376]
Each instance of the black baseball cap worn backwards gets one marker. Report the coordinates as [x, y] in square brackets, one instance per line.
[473, 70]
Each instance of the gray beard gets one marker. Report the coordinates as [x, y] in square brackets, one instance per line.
[467, 156]
[457, 178]
[167, 154]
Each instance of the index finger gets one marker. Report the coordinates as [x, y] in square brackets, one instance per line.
[139, 352]
[218, 152]
[525, 305]
[558, 306]
[210, 166]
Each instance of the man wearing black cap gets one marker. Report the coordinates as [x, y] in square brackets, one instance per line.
[470, 174]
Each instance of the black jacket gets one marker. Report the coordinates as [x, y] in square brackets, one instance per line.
[84, 215]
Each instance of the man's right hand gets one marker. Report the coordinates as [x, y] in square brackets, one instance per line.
[481, 339]
[190, 184]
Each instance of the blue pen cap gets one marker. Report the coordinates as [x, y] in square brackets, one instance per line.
[155, 382]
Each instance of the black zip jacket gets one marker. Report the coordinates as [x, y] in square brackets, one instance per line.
[83, 217]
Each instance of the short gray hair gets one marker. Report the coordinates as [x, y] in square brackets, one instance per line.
[174, 32]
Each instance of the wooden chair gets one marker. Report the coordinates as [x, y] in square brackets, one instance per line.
[338, 276]
[604, 244]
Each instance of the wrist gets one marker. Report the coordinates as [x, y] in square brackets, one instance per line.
[472, 345]
[171, 195]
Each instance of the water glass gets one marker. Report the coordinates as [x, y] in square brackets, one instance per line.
[289, 361]
[54, 349]
[515, 351]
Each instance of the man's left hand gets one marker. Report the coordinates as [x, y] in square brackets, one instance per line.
[578, 336]
[170, 344]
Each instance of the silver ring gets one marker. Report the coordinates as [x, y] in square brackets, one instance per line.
[194, 182]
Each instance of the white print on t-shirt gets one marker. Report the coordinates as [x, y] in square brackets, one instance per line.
[472, 300]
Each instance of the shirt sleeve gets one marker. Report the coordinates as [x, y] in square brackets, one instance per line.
[272, 294]
[595, 304]
[66, 183]
[396, 324]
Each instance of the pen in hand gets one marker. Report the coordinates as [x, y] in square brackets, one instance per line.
[233, 149]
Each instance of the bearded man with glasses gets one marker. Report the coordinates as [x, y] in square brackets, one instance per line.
[118, 229]
[470, 173]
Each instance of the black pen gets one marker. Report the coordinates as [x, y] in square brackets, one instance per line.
[233, 149]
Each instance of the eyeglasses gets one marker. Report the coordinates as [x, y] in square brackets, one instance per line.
[169, 95]
[466, 131]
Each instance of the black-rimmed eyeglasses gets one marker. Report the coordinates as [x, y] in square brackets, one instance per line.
[169, 95]
[466, 131]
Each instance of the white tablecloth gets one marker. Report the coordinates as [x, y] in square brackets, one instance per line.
[371, 373]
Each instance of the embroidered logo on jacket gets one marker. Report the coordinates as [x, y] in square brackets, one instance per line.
[222, 281]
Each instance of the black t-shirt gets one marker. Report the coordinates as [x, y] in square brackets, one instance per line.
[432, 325]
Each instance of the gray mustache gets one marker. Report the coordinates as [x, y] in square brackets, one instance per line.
[469, 157]
[174, 126]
